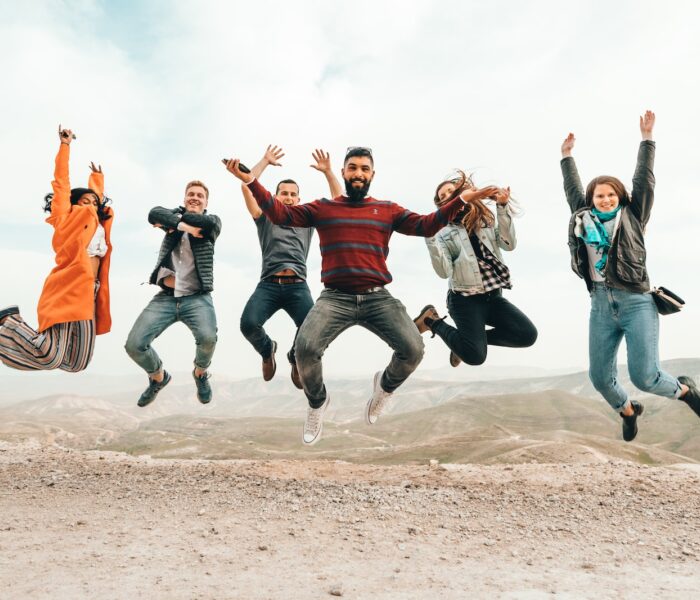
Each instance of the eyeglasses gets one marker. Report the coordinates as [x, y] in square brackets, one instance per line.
[359, 151]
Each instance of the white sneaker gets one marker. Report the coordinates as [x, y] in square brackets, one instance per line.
[378, 402]
[313, 426]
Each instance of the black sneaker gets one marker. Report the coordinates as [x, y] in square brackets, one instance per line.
[9, 310]
[203, 387]
[149, 395]
[629, 424]
[692, 396]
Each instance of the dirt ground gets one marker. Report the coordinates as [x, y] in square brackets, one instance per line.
[102, 525]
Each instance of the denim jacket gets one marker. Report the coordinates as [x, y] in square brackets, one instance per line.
[453, 257]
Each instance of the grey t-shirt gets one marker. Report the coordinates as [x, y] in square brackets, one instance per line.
[283, 247]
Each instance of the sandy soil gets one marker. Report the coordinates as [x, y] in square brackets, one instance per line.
[101, 525]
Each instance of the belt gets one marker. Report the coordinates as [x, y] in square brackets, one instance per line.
[372, 290]
[284, 279]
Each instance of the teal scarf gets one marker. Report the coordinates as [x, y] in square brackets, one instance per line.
[596, 235]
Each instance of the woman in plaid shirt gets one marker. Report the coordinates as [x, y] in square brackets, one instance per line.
[467, 252]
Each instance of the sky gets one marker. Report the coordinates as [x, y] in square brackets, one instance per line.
[158, 92]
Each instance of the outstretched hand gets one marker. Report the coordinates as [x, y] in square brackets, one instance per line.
[65, 135]
[502, 196]
[568, 145]
[95, 169]
[232, 167]
[646, 125]
[273, 155]
[323, 161]
[470, 195]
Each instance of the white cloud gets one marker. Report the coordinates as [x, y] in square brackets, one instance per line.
[159, 96]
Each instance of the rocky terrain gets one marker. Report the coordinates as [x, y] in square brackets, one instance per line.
[91, 524]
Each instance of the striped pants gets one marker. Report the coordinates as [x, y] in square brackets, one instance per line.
[65, 346]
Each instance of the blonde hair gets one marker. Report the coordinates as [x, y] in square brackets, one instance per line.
[199, 183]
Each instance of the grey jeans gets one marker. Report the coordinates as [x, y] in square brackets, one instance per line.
[336, 311]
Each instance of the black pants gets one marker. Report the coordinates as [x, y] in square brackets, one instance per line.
[471, 314]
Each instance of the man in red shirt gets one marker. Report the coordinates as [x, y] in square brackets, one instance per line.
[354, 231]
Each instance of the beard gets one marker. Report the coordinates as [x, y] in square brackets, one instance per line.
[356, 194]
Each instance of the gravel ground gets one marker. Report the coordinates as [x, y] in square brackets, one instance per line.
[103, 525]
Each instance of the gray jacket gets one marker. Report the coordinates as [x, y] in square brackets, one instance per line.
[626, 267]
[202, 248]
[453, 257]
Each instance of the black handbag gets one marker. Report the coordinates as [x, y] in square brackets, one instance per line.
[666, 301]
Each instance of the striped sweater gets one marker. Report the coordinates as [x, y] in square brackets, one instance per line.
[354, 236]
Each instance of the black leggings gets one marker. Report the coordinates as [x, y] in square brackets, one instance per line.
[471, 314]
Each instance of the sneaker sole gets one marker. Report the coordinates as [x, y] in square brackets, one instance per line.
[320, 430]
[369, 402]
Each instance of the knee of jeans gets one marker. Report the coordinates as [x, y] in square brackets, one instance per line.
[207, 339]
[414, 350]
[528, 336]
[644, 381]
[248, 325]
[475, 357]
[306, 349]
[133, 347]
[600, 381]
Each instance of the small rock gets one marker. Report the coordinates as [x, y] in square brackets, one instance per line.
[201, 512]
[336, 590]
[262, 547]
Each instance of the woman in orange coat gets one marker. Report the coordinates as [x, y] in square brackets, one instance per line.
[74, 304]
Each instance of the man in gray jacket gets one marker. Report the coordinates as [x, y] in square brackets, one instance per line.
[185, 274]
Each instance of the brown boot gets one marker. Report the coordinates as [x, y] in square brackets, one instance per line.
[269, 365]
[455, 360]
[428, 312]
[296, 379]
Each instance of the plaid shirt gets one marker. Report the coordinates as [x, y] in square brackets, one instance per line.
[494, 274]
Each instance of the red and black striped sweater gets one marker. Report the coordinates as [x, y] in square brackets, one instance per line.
[354, 236]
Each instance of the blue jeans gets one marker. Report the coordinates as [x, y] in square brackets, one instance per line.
[614, 314]
[336, 311]
[196, 311]
[294, 298]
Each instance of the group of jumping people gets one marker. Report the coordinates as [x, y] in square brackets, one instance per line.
[465, 236]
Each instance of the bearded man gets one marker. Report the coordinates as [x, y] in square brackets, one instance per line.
[354, 231]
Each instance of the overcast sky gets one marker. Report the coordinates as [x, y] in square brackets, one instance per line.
[158, 92]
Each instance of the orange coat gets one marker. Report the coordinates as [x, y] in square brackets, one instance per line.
[69, 290]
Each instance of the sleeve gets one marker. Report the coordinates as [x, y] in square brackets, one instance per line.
[96, 182]
[643, 182]
[439, 256]
[572, 184]
[60, 205]
[167, 217]
[410, 223]
[505, 229]
[301, 215]
[209, 224]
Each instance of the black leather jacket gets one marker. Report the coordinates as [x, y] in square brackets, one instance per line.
[626, 267]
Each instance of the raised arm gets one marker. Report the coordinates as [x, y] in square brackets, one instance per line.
[505, 229]
[300, 215]
[323, 164]
[271, 157]
[643, 181]
[96, 182]
[572, 182]
[410, 223]
[60, 204]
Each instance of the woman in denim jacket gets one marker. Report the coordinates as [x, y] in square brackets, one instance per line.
[467, 252]
[606, 239]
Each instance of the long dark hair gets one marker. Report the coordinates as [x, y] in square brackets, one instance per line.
[76, 194]
[475, 214]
